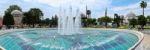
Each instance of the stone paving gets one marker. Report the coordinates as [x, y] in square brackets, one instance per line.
[145, 45]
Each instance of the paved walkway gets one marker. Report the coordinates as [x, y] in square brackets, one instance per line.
[145, 45]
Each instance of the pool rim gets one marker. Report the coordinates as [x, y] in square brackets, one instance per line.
[136, 33]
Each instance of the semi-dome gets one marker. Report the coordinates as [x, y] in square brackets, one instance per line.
[16, 12]
[131, 15]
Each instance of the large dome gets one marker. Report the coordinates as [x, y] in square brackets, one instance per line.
[131, 15]
[16, 12]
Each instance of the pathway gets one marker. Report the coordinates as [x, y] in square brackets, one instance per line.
[145, 45]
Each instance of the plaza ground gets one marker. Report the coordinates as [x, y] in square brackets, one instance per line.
[145, 44]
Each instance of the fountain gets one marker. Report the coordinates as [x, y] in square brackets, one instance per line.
[69, 24]
[68, 36]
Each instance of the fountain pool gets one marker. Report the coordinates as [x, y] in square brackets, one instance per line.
[50, 39]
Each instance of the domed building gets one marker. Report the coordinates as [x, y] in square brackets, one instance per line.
[17, 15]
[129, 16]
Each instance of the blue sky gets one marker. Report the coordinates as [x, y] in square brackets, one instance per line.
[52, 7]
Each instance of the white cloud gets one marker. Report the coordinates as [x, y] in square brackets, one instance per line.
[128, 7]
[93, 5]
[51, 7]
[133, 7]
[57, 3]
[28, 0]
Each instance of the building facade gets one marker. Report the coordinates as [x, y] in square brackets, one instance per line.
[129, 16]
[17, 15]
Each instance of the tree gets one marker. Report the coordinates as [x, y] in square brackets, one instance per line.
[83, 20]
[142, 21]
[8, 18]
[47, 21]
[133, 22]
[117, 20]
[54, 21]
[36, 15]
[105, 20]
[143, 5]
[13, 7]
[148, 19]
[83, 16]
[27, 19]
[91, 21]
[88, 12]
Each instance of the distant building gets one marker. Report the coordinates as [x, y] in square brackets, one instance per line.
[17, 15]
[129, 16]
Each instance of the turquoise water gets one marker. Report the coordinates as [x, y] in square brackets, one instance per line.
[49, 39]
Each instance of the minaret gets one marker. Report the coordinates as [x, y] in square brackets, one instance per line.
[86, 11]
[105, 12]
[86, 8]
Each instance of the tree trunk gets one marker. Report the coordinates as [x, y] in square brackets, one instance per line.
[106, 24]
[143, 11]
[142, 27]
[29, 25]
[33, 25]
[118, 25]
[133, 26]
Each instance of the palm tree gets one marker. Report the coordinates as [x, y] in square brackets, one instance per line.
[88, 12]
[117, 20]
[143, 5]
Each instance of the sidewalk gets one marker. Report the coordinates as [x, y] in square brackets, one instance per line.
[145, 44]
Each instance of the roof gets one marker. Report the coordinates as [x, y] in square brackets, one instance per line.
[131, 15]
[16, 12]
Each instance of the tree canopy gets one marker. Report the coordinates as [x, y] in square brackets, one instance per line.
[117, 20]
[133, 22]
[13, 7]
[142, 20]
[105, 20]
[143, 5]
[33, 16]
[8, 18]
[148, 18]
